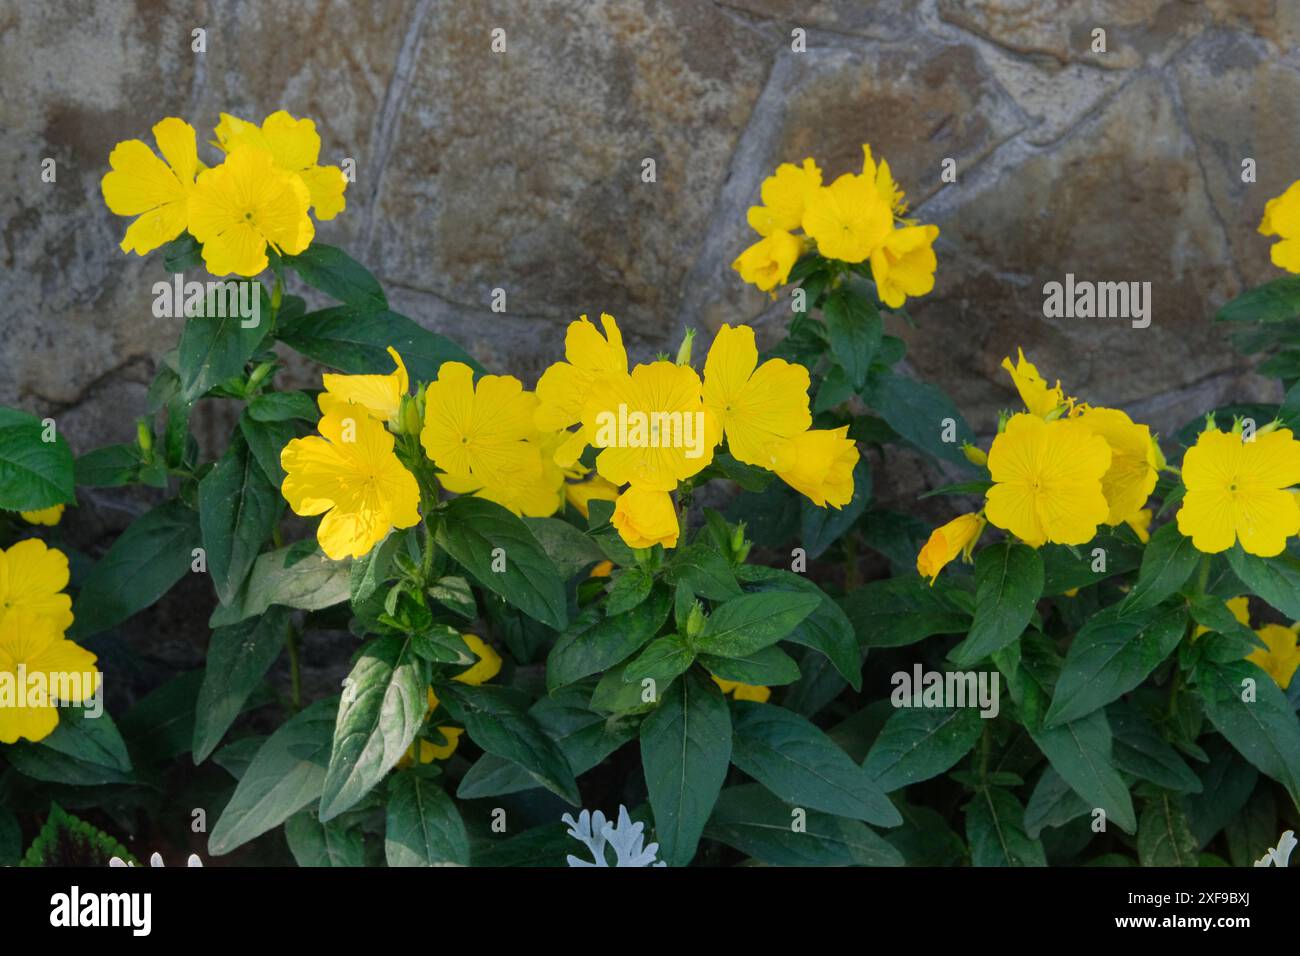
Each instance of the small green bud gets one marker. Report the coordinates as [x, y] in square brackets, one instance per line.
[695, 620]
[259, 375]
[684, 350]
[144, 437]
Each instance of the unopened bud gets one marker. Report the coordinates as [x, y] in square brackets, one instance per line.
[144, 437]
[695, 620]
[974, 455]
[684, 350]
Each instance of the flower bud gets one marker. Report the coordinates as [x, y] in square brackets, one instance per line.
[144, 436]
[695, 620]
[974, 455]
[684, 350]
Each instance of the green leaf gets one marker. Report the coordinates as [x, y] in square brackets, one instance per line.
[338, 275]
[423, 826]
[1265, 731]
[995, 827]
[1052, 804]
[918, 743]
[571, 549]
[826, 630]
[752, 622]
[372, 569]
[356, 341]
[705, 571]
[109, 467]
[1113, 654]
[495, 720]
[316, 844]
[685, 752]
[1274, 301]
[630, 588]
[804, 767]
[855, 329]
[283, 406]
[1065, 568]
[381, 712]
[758, 824]
[142, 565]
[160, 726]
[183, 254]
[1139, 750]
[1167, 562]
[286, 775]
[34, 473]
[238, 658]
[1008, 584]
[310, 582]
[65, 840]
[238, 510]
[214, 349]
[598, 642]
[266, 440]
[455, 594]
[1276, 580]
[665, 659]
[471, 531]
[83, 751]
[920, 413]
[1164, 838]
[898, 611]
[770, 667]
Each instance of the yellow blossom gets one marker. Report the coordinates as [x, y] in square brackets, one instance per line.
[380, 395]
[1133, 466]
[430, 751]
[350, 474]
[1283, 655]
[848, 219]
[743, 691]
[767, 263]
[1141, 524]
[45, 516]
[295, 146]
[535, 494]
[602, 570]
[757, 406]
[32, 645]
[157, 193]
[1240, 608]
[480, 431]
[1047, 480]
[645, 517]
[904, 264]
[957, 537]
[239, 208]
[485, 668]
[564, 388]
[581, 493]
[1282, 218]
[879, 174]
[784, 196]
[1038, 398]
[1237, 491]
[819, 465]
[32, 579]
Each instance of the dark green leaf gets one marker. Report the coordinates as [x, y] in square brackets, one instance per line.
[34, 473]
[1008, 584]
[423, 827]
[338, 275]
[918, 743]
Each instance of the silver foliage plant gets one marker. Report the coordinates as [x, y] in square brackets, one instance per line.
[626, 839]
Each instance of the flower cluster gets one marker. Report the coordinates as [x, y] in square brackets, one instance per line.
[258, 196]
[654, 426]
[857, 219]
[39, 666]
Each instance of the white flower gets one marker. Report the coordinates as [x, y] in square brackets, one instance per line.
[625, 839]
[1279, 855]
[156, 860]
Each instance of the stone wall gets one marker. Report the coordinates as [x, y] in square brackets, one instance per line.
[479, 170]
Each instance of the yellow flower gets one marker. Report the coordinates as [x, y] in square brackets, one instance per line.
[1047, 481]
[45, 516]
[245, 204]
[645, 517]
[1140, 523]
[430, 751]
[350, 474]
[889, 190]
[1038, 398]
[480, 431]
[651, 426]
[32, 579]
[486, 667]
[602, 570]
[1283, 655]
[743, 691]
[974, 454]
[563, 389]
[380, 395]
[295, 146]
[1236, 490]
[784, 195]
[1282, 218]
[1240, 608]
[536, 494]
[819, 465]
[904, 264]
[156, 192]
[41, 668]
[595, 488]
[767, 263]
[757, 406]
[849, 219]
[1133, 468]
[957, 537]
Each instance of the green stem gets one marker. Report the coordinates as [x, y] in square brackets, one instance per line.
[1203, 575]
[295, 670]
[426, 559]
